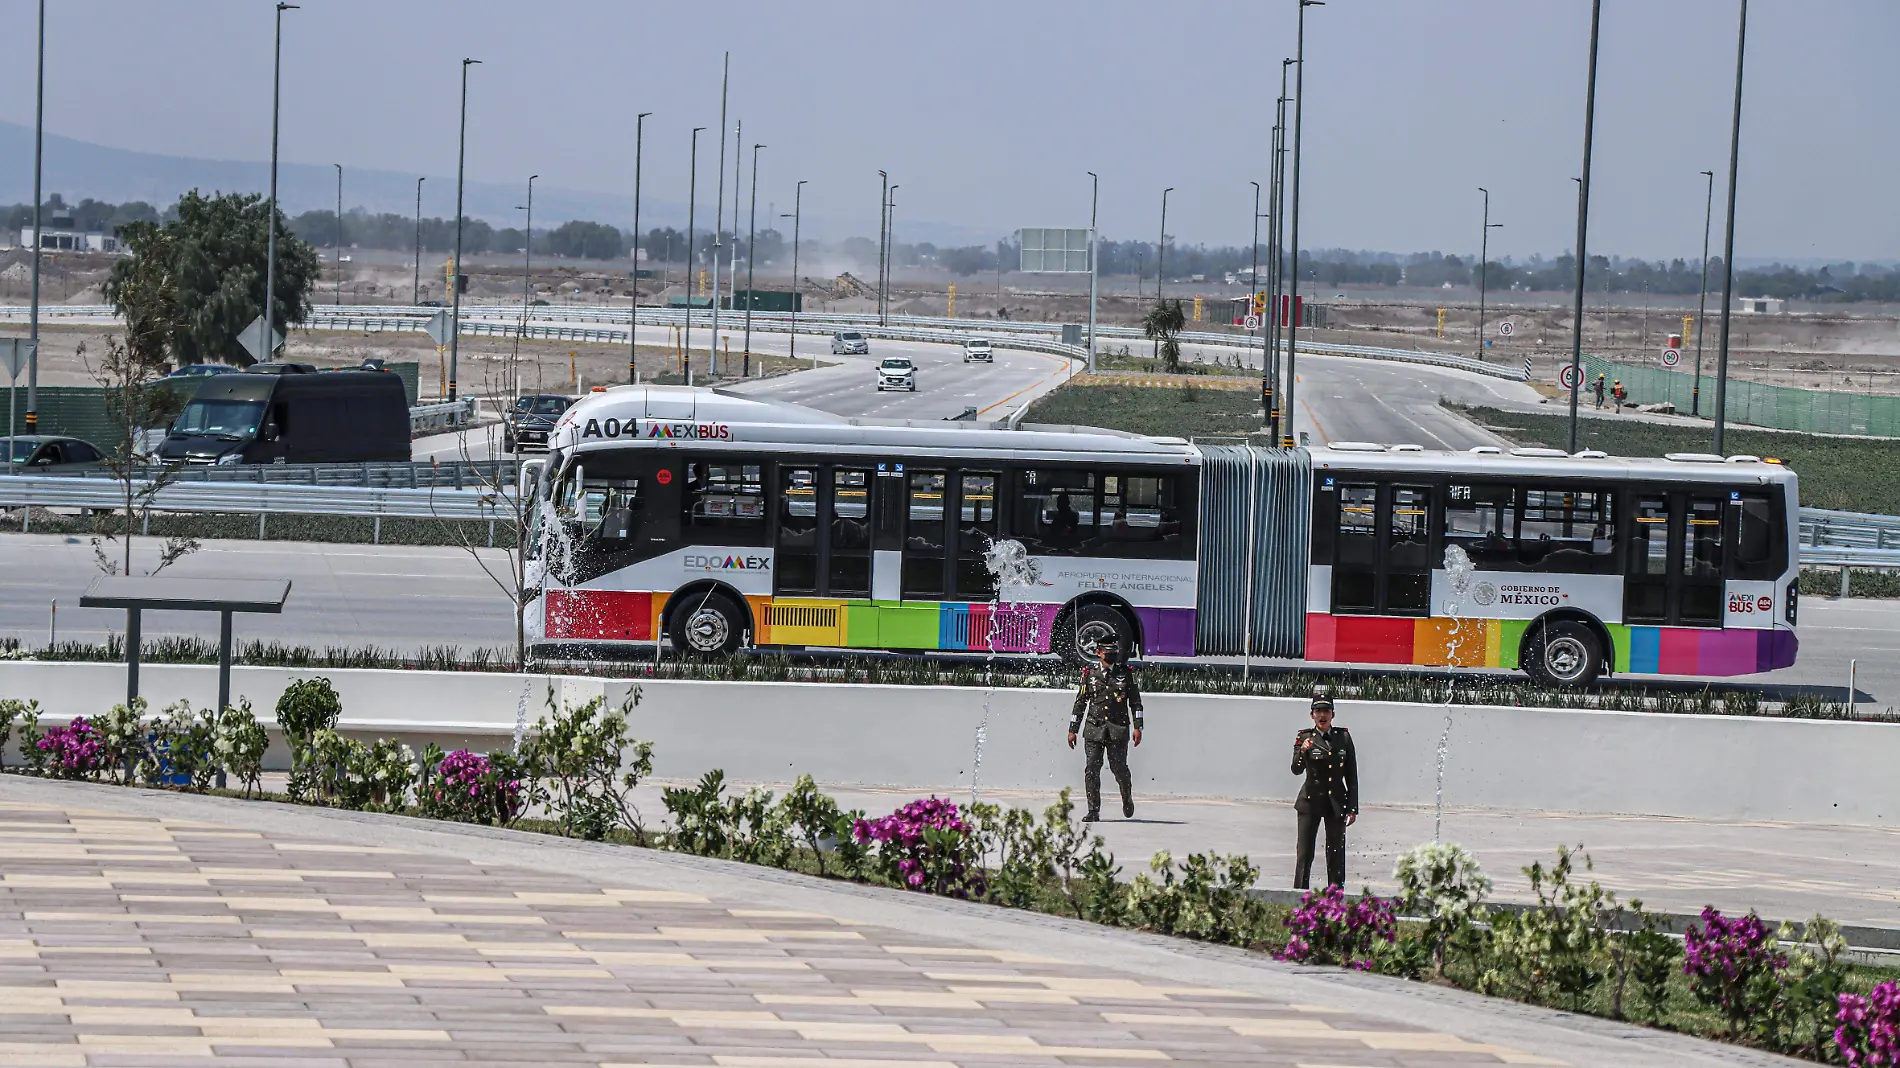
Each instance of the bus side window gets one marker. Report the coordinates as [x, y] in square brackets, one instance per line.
[1139, 517]
[1756, 555]
[1478, 521]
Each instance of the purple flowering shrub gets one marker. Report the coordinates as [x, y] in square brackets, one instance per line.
[74, 751]
[1869, 1032]
[472, 788]
[925, 846]
[1330, 928]
[1732, 964]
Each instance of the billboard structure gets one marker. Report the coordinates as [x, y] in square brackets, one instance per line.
[1046, 251]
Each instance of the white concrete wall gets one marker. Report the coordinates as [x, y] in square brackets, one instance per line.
[923, 738]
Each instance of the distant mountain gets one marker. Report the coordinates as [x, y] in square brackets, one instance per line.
[77, 169]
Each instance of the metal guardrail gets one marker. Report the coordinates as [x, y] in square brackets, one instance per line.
[245, 498]
[1856, 530]
[462, 474]
[441, 415]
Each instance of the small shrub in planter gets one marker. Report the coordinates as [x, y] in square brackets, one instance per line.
[1330, 928]
[241, 745]
[181, 748]
[26, 714]
[306, 707]
[1732, 965]
[926, 846]
[74, 751]
[1558, 946]
[472, 788]
[584, 767]
[1443, 883]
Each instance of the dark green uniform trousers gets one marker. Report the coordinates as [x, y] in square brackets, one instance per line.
[1312, 814]
[1117, 753]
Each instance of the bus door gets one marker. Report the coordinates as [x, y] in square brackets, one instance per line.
[924, 535]
[1382, 550]
[1674, 571]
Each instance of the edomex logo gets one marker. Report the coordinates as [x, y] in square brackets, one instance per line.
[705, 562]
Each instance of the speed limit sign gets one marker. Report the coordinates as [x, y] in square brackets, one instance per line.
[1568, 377]
[1672, 357]
[1505, 328]
[1252, 322]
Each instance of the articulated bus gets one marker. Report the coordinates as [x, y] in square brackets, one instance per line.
[716, 521]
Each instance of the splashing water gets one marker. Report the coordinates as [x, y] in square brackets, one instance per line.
[1009, 563]
[1458, 572]
[521, 715]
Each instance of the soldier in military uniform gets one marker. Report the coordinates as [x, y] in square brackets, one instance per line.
[1330, 795]
[1111, 703]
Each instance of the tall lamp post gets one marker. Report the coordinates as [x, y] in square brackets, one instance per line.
[890, 252]
[1095, 188]
[1728, 238]
[719, 224]
[1583, 223]
[455, 280]
[1484, 263]
[33, 314]
[270, 213]
[798, 206]
[1702, 300]
[527, 258]
[337, 253]
[415, 284]
[1161, 256]
[883, 195]
[633, 312]
[751, 261]
[1293, 291]
[1276, 269]
[692, 207]
[1253, 281]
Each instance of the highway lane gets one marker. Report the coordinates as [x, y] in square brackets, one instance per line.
[404, 597]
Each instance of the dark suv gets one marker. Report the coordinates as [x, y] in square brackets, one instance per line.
[531, 420]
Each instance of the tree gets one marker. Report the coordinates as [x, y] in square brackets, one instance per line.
[1163, 323]
[204, 276]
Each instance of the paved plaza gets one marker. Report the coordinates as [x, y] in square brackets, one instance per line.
[140, 928]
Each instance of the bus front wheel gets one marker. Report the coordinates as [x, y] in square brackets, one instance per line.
[1564, 653]
[707, 625]
[1078, 632]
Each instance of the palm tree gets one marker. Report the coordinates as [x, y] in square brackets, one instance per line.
[1162, 323]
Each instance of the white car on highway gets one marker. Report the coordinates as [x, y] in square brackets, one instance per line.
[977, 349]
[850, 343]
[897, 372]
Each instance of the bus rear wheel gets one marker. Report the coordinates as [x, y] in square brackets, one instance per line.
[1077, 634]
[707, 625]
[1564, 653]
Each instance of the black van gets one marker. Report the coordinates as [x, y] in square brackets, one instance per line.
[292, 416]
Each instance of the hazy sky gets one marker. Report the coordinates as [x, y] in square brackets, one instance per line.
[988, 113]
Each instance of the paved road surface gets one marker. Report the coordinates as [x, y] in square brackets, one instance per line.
[403, 598]
[247, 930]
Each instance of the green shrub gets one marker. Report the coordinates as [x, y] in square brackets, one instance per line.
[26, 714]
[1442, 883]
[1555, 950]
[122, 736]
[581, 764]
[241, 745]
[182, 743]
[306, 708]
[698, 813]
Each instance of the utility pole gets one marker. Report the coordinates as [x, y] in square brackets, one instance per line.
[1161, 257]
[33, 313]
[719, 223]
[633, 312]
[883, 193]
[751, 260]
[527, 259]
[270, 214]
[1484, 261]
[337, 253]
[692, 205]
[1702, 301]
[890, 253]
[798, 207]
[1293, 291]
[1095, 188]
[1253, 283]
[455, 280]
[1728, 239]
[1583, 223]
[1276, 268]
[415, 286]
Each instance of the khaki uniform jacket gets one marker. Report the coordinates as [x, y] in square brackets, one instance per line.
[1109, 701]
[1331, 768]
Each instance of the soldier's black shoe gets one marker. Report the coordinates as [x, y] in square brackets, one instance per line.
[1128, 807]
[1091, 817]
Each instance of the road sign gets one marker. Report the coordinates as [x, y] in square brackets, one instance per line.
[1672, 357]
[253, 341]
[1505, 328]
[1046, 251]
[1253, 322]
[1568, 377]
[16, 353]
[438, 327]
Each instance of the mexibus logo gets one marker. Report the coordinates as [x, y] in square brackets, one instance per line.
[728, 563]
[694, 431]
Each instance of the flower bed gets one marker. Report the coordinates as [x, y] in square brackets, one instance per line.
[574, 773]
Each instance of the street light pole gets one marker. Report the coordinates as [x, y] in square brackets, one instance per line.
[33, 314]
[337, 253]
[270, 213]
[1161, 257]
[1702, 301]
[415, 285]
[1293, 291]
[1484, 264]
[527, 258]
[890, 253]
[633, 312]
[1253, 282]
[1583, 223]
[692, 207]
[751, 261]
[798, 207]
[719, 223]
[883, 194]
[455, 279]
[1728, 238]
[1276, 268]
[1095, 188]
